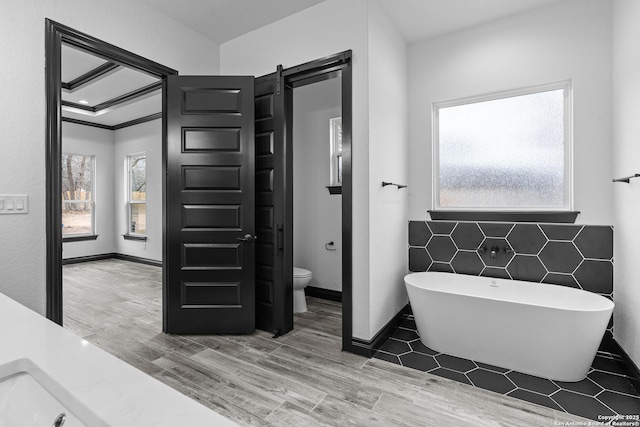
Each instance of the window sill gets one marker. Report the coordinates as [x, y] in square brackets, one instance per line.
[567, 217]
[81, 238]
[134, 237]
[335, 189]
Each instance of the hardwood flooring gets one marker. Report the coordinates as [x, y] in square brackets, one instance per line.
[299, 379]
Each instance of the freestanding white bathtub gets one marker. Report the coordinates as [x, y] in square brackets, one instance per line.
[544, 330]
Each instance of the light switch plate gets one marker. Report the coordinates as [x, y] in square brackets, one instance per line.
[13, 204]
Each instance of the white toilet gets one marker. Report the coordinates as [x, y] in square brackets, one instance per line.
[301, 278]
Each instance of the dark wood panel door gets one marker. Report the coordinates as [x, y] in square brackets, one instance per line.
[209, 246]
[274, 210]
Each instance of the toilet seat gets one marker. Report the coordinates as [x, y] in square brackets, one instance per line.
[301, 273]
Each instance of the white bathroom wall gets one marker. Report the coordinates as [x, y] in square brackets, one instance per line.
[327, 28]
[566, 40]
[127, 24]
[77, 139]
[626, 161]
[388, 161]
[145, 137]
[317, 215]
[379, 134]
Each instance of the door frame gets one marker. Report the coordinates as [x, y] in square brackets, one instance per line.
[55, 35]
[300, 75]
[332, 66]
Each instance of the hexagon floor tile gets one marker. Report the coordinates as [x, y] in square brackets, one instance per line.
[606, 391]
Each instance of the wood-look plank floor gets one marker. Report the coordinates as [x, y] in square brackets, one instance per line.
[300, 379]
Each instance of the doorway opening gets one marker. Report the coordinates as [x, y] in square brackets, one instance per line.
[100, 62]
[317, 197]
[284, 82]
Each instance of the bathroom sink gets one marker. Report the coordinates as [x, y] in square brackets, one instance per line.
[29, 397]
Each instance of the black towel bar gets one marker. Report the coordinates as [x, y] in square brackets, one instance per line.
[626, 178]
[384, 184]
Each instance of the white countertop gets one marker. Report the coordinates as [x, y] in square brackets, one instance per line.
[116, 392]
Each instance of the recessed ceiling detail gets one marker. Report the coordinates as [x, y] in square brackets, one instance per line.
[101, 93]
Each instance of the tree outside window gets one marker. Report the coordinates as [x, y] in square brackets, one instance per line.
[78, 194]
[137, 194]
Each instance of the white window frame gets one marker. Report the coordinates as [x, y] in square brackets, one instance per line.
[336, 156]
[92, 201]
[566, 86]
[131, 202]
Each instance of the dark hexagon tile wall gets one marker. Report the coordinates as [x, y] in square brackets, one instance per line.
[595, 242]
[419, 233]
[501, 259]
[441, 248]
[560, 257]
[527, 239]
[467, 235]
[578, 256]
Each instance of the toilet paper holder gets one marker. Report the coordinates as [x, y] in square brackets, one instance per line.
[330, 246]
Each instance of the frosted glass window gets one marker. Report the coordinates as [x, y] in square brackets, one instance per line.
[505, 153]
[335, 136]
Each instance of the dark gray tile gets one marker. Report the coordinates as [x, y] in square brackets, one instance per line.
[613, 382]
[560, 232]
[388, 357]
[527, 268]
[442, 267]
[395, 347]
[560, 257]
[581, 405]
[467, 263]
[595, 242]
[606, 344]
[491, 381]
[492, 367]
[501, 258]
[536, 398]
[404, 335]
[419, 361]
[441, 248]
[526, 239]
[455, 363]
[467, 235]
[532, 383]
[491, 229]
[595, 276]
[561, 279]
[421, 348]
[609, 365]
[408, 324]
[452, 375]
[419, 233]
[622, 404]
[441, 227]
[418, 259]
[496, 272]
[586, 386]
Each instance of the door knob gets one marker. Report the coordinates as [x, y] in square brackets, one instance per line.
[247, 238]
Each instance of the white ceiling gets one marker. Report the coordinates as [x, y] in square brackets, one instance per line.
[223, 20]
[423, 19]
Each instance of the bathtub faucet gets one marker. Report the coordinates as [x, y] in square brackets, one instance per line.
[494, 251]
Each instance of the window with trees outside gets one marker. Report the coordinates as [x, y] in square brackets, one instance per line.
[137, 194]
[335, 136]
[78, 195]
[508, 151]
